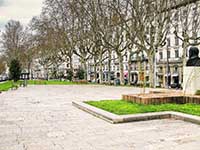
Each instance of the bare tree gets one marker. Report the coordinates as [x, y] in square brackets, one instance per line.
[112, 32]
[149, 20]
[82, 33]
[13, 39]
[63, 19]
[18, 44]
[45, 43]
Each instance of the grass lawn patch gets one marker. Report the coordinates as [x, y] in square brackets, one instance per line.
[51, 82]
[8, 85]
[121, 107]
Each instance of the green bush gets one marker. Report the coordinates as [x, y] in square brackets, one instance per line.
[15, 70]
[80, 74]
[69, 75]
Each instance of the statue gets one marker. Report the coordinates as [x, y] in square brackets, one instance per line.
[194, 59]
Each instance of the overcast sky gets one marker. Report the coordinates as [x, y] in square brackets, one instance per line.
[21, 10]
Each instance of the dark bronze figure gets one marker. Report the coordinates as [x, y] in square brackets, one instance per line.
[194, 59]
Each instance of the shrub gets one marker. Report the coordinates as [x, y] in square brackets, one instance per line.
[80, 74]
[69, 75]
[15, 70]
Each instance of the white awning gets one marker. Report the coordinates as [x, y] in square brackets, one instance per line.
[134, 72]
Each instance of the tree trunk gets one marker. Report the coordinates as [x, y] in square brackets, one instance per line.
[109, 68]
[151, 71]
[85, 69]
[101, 69]
[71, 67]
[71, 63]
[121, 67]
[144, 83]
[184, 53]
[29, 70]
[100, 73]
[129, 70]
[46, 73]
[95, 72]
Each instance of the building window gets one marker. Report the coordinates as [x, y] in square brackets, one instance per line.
[168, 54]
[117, 68]
[135, 66]
[131, 68]
[160, 70]
[147, 67]
[176, 69]
[176, 41]
[161, 55]
[126, 67]
[126, 57]
[168, 42]
[176, 53]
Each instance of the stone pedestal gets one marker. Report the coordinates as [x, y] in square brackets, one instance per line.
[191, 79]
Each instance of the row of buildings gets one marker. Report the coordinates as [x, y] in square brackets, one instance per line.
[169, 68]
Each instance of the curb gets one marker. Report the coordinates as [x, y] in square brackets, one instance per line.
[115, 119]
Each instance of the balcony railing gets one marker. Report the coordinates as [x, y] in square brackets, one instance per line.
[171, 60]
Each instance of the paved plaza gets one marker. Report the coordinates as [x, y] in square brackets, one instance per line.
[43, 118]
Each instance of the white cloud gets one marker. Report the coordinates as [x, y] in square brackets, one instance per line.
[21, 10]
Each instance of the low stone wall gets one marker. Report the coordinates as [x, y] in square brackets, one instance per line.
[113, 118]
[162, 98]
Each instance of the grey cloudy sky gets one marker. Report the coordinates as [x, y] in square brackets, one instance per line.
[21, 10]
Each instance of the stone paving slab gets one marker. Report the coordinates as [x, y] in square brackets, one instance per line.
[43, 118]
